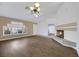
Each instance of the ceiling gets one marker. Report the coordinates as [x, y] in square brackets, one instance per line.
[17, 10]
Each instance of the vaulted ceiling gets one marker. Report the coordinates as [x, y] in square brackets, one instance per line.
[17, 10]
[61, 11]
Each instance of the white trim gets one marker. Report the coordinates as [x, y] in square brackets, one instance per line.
[14, 37]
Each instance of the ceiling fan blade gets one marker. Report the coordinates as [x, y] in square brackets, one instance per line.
[27, 8]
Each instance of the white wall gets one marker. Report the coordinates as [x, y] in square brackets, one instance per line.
[77, 9]
[1, 8]
[78, 36]
[35, 28]
[71, 36]
[43, 28]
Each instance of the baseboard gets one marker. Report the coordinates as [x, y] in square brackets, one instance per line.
[14, 37]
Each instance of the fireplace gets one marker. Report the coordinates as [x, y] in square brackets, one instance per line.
[60, 33]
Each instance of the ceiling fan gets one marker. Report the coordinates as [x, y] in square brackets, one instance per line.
[35, 9]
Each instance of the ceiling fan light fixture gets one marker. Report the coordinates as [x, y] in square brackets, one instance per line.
[31, 8]
[35, 9]
[36, 15]
[36, 4]
[38, 9]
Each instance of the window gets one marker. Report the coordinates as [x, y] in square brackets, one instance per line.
[6, 30]
[14, 28]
